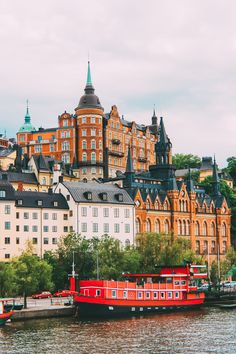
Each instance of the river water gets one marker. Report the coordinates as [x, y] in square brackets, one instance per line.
[209, 330]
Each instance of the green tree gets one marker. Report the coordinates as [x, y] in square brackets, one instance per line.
[231, 167]
[186, 161]
[7, 280]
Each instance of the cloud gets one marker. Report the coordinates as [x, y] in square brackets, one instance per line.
[179, 55]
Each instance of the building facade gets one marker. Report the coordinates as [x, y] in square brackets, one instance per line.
[99, 209]
[93, 143]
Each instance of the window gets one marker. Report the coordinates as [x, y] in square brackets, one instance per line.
[148, 225]
[166, 227]
[54, 216]
[197, 229]
[176, 294]
[17, 227]
[7, 209]
[62, 134]
[93, 156]
[54, 241]
[67, 134]
[19, 202]
[125, 294]
[127, 228]
[169, 295]
[45, 216]
[45, 241]
[127, 213]
[44, 180]
[113, 293]
[34, 228]
[93, 170]
[223, 230]
[17, 215]
[100, 144]
[224, 246]
[147, 295]
[98, 292]
[84, 158]
[93, 144]
[137, 225]
[84, 227]
[7, 241]
[65, 216]
[35, 215]
[84, 132]
[95, 227]
[94, 212]
[140, 295]
[54, 228]
[7, 225]
[106, 228]
[65, 122]
[40, 202]
[84, 120]
[162, 295]
[84, 144]
[66, 157]
[155, 295]
[26, 228]
[92, 120]
[7, 255]
[71, 212]
[65, 228]
[106, 212]
[197, 247]
[45, 228]
[38, 149]
[51, 147]
[116, 212]
[34, 240]
[65, 146]
[204, 229]
[116, 228]
[84, 211]
[93, 132]
[17, 240]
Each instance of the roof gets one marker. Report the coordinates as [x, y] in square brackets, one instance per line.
[30, 199]
[78, 191]
[29, 178]
[6, 152]
[42, 130]
[184, 171]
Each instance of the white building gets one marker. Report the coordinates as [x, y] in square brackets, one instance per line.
[99, 209]
[41, 218]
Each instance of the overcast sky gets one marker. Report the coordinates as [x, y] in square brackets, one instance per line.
[179, 55]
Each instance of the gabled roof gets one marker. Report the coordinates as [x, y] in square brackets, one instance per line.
[78, 191]
[28, 178]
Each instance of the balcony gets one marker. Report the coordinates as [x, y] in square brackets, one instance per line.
[90, 163]
[116, 141]
[116, 153]
[142, 159]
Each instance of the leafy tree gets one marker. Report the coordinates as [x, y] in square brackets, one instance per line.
[231, 168]
[7, 280]
[186, 161]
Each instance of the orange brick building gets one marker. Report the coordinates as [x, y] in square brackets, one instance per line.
[96, 144]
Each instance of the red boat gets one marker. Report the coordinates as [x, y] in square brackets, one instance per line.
[4, 315]
[172, 288]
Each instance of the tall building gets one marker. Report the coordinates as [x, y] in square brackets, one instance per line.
[94, 143]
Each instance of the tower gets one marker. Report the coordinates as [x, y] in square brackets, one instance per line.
[90, 150]
[129, 171]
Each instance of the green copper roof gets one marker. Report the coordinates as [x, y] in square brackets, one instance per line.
[89, 79]
[27, 126]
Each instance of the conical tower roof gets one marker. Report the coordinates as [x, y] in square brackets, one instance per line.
[27, 126]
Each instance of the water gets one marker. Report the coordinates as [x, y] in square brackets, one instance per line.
[209, 330]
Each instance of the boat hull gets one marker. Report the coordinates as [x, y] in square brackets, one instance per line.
[4, 317]
[95, 309]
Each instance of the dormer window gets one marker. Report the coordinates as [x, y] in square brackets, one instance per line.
[103, 196]
[2, 194]
[55, 204]
[19, 202]
[40, 202]
[119, 197]
[88, 195]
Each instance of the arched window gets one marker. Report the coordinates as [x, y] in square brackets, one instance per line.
[147, 204]
[93, 144]
[84, 156]
[166, 227]
[184, 227]
[183, 205]
[84, 144]
[180, 205]
[93, 156]
[224, 246]
[65, 146]
[224, 229]
[179, 227]
[204, 229]
[186, 206]
[148, 225]
[137, 225]
[157, 226]
[205, 247]
[212, 230]
[197, 228]
[187, 227]
[66, 158]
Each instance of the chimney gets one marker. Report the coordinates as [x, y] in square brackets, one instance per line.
[60, 179]
[4, 177]
[20, 187]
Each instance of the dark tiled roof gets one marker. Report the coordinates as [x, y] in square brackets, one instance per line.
[30, 200]
[29, 178]
[5, 152]
[78, 191]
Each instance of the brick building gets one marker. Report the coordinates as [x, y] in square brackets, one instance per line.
[94, 143]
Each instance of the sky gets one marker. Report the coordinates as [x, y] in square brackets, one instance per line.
[177, 55]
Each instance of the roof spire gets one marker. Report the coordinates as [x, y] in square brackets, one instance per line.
[154, 117]
[89, 79]
[129, 163]
[27, 116]
[163, 136]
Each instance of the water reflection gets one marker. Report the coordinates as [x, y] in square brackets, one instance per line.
[202, 331]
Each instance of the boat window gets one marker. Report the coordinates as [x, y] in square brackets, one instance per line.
[183, 282]
[113, 293]
[169, 280]
[147, 295]
[176, 282]
[176, 295]
[140, 295]
[155, 295]
[98, 292]
[162, 295]
[169, 295]
[125, 294]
